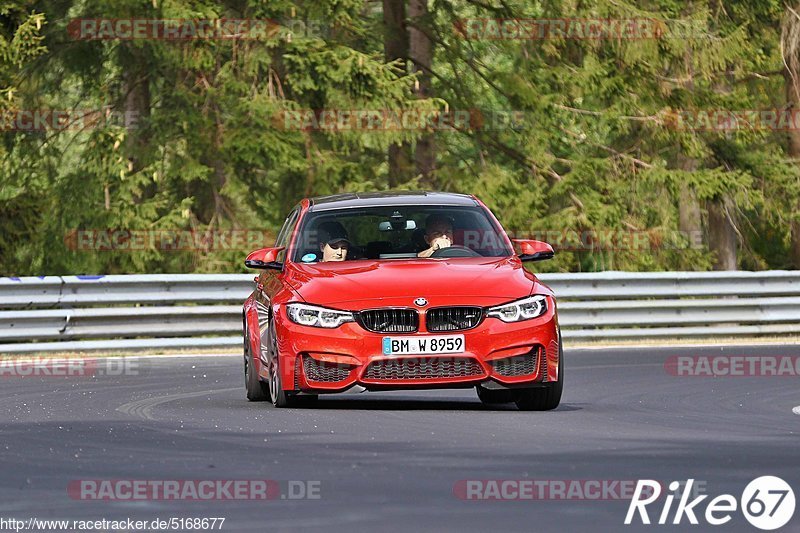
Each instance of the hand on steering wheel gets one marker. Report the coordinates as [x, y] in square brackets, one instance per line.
[455, 250]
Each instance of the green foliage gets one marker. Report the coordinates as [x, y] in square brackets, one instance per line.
[593, 146]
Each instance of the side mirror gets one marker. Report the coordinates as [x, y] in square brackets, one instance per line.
[265, 259]
[534, 250]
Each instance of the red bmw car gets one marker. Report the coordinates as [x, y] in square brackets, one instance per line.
[400, 290]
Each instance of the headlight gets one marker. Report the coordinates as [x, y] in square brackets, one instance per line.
[318, 317]
[524, 309]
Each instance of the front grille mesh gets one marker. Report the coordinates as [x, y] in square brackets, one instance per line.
[389, 320]
[520, 365]
[453, 318]
[323, 371]
[423, 368]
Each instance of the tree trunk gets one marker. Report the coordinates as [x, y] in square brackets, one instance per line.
[136, 116]
[395, 46]
[689, 219]
[793, 149]
[688, 213]
[136, 87]
[721, 233]
[421, 55]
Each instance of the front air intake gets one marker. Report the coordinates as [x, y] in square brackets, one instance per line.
[324, 372]
[520, 365]
[423, 368]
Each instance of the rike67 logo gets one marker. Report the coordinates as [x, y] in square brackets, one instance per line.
[767, 503]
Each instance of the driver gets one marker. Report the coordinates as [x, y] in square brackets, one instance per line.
[333, 241]
[438, 234]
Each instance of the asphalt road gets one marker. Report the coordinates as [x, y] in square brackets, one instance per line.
[393, 461]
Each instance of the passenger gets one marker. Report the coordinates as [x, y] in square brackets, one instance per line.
[333, 241]
[438, 234]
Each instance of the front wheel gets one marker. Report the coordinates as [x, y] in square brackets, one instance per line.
[547, 397]
[257, 390]
[280, 398]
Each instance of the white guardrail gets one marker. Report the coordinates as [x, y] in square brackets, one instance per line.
[77, 313]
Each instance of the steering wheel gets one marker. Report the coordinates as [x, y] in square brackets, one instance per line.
[455, 250]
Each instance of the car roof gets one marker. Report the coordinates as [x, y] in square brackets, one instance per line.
[389, 198]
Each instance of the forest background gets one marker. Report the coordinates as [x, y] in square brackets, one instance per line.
[173, 136]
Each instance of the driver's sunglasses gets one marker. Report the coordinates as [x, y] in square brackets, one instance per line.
[338, 245]
[437, 234]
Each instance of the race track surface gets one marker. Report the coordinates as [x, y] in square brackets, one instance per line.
[393, 461]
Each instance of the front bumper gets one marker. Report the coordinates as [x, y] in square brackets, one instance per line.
[497, 354]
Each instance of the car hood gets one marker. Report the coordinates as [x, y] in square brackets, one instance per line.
[362, 283]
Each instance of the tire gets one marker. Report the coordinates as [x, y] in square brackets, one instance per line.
[494, 397]
[257, 390]
[279, 397]
[547, 397]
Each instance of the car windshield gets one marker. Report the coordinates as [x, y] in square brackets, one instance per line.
[399, 232]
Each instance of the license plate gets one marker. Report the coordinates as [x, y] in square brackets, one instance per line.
[423, 345]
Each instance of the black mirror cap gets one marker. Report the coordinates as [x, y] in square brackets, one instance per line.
[538, 256]
[271, 265]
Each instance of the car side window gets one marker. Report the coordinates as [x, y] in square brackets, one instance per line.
[286, 233]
